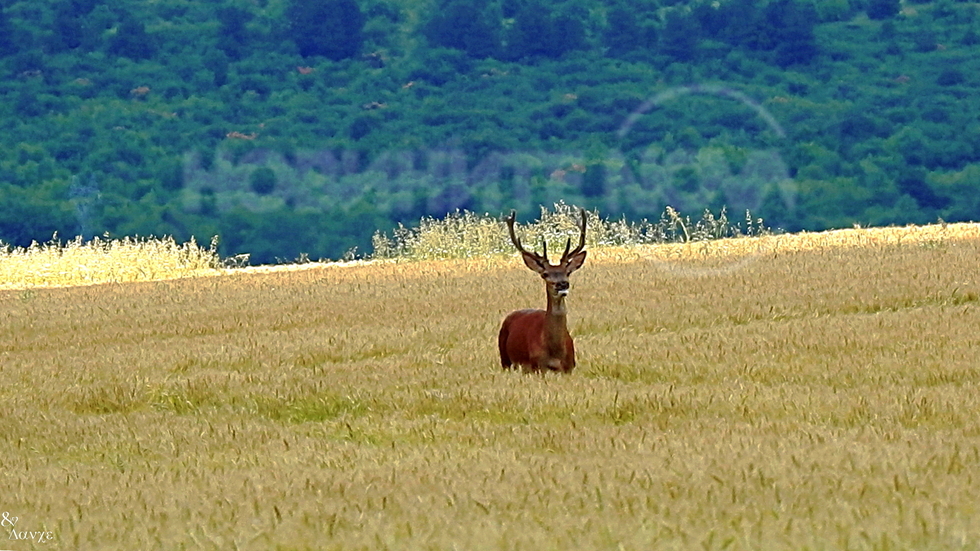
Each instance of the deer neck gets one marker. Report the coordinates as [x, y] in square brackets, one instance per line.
[556, 306]
[555, 324]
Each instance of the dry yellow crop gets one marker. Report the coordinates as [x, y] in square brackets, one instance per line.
[78, 262]
[816, 391]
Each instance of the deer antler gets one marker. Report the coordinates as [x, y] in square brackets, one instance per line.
[517, 242]
[581, 242]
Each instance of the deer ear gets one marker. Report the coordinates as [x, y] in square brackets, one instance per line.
[533, 262]
[575, 262]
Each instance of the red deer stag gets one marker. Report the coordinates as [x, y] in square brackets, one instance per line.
[539, 339]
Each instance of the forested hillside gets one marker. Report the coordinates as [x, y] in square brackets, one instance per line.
[294, 127]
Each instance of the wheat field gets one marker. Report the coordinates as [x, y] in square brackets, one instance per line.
[814, 391]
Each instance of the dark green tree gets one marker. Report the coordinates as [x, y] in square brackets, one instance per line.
[131, 40]
[623, 33]
[217, 62]
[951, 77]
[970, 38]
[232, 34]
[29, 214]
[8, 39]
[69, 30]
[531, 34]
[262, 180]
[925, 38]
[467, 25]
[792, 22]
[883, 9]
[439, 66]
[594, 181]
[741, 23]
[568, 32]
[679, 39]
[912, 181]
[329, 28]
[73, 27]
[540, 32]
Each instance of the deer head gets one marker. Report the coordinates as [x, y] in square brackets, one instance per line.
[555, 276]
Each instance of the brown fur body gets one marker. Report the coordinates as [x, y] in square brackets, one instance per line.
[524, 341]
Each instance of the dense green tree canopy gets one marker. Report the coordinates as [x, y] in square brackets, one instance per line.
[295, 127]
[473, 27]
[329, 28]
